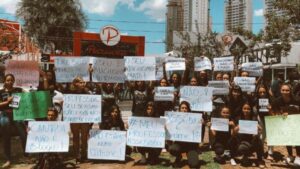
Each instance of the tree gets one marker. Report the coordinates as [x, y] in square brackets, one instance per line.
[283, 28]
[52, 21]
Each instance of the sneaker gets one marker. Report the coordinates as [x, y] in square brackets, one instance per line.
[288, 160]
[297, 161]
[143, 160]
[6, 164]
[232, 162]
[269, 157]
[261, 164]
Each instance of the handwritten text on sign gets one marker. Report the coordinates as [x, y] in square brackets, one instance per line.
[220, 87]
[175, 64]
[254, 68]
[47, 137]
[223, 64]
[26, 72]
[247, 84]
[198, 97]
[283, 131]
[202, 63]
[108, 70]
[248, 127]
[140, 68]
[220, 124]
[263, 105]
[107, 145]
[82, 108]
[164, 94]
[182, 126]
[67, 68]
[146, 132]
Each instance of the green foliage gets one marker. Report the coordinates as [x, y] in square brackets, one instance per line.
[52, 21]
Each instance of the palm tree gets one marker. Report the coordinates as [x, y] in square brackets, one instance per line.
[52, 21]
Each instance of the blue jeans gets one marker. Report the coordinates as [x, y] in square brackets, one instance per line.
[6, 125]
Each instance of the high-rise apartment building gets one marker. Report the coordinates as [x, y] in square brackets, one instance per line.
[196, 16]
[174, 21]
[238, 14]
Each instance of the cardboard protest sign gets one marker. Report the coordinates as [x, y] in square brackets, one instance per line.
[67, 68]
[248, 127]
[32, 105]
[247, 84]
[79, 108]
[220, 124]
[26, 72]
[164, 94]
[183, 126]
[107, 145]
[200, 98]
[108, 70]
[47, 136]
[140, 68]
[174, 64]
[146, 132]
[220, 87]
[202, 63]
[283, 131]
[224, 63]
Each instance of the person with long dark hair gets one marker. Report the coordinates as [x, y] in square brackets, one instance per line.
[6, 118]
[286, 104]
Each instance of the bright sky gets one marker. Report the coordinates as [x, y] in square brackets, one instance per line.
[142, 17]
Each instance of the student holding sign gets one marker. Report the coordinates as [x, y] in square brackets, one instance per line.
[248, 143]
[223, 140]
[285, 105]
[6, 117]
[153, 153]
[191, 149]
[79, 130]
[161, 106]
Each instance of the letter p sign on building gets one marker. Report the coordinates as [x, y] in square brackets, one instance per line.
[110, 35]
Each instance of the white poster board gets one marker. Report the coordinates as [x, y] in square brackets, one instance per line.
[224, 63]
[107, 145]
[253, 68]
[220, 124]
[200, 98]
[183, 126]
[47, 136]
[67, 68]
[247, 84]
[248, 127]
[263, 105]
[202, 63]
[82, 108]
[108, 70]
[140, 68]
[220, 87]
[146, 132]
[164, 94]
[174, 64]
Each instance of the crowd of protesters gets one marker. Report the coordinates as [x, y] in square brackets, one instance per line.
[235, 106]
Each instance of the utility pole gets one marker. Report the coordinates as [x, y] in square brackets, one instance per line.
[208, 17]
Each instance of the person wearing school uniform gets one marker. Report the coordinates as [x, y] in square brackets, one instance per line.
[224, 140]
[161, 106]
[153, 153]
[286, 104]
[6, 118]
[114, 121]
[80, 131]
[176, 148]
[248, 143]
